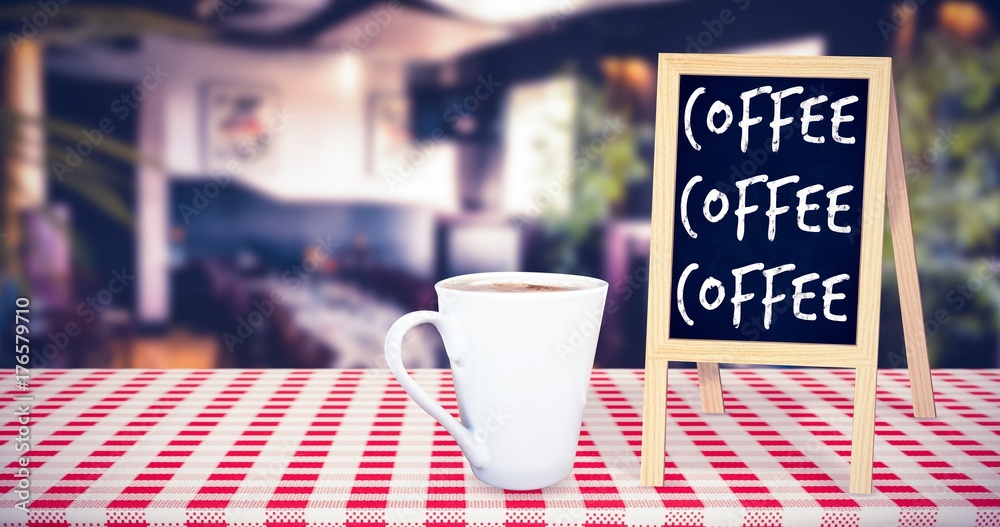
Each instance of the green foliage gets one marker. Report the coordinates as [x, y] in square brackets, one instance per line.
[950, 123]
[949, 105]
[91, 180]
[605, 161]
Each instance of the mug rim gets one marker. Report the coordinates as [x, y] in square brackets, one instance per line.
[582, 284]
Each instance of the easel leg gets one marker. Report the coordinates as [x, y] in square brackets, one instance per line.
[921, 386]
[654, 422]
[863, 430]
[710, 383]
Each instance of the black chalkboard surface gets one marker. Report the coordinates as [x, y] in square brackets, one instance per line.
[784, 204]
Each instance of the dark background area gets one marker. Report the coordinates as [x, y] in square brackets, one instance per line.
[344, 156]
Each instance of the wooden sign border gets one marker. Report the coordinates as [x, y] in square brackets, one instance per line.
[864, 351]
[863, 355]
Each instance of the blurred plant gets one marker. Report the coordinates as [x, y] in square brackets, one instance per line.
[28, 23]
[606, 160]
[949, 104]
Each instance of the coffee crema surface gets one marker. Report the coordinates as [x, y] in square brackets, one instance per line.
[511, 287]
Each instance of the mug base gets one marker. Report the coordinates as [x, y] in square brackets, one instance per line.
[510, 481]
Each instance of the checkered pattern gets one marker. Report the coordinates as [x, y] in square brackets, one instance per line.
[349, 448]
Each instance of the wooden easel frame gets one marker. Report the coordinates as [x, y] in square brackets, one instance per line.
[884, 178]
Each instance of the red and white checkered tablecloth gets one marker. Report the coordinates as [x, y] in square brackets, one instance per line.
[349, 448]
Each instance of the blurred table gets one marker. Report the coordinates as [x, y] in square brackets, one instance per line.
[353, 323]
[348, 447]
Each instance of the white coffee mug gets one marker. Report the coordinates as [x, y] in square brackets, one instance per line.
[521, 363]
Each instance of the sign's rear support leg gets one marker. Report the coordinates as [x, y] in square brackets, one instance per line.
[921, 386]
[710, 382]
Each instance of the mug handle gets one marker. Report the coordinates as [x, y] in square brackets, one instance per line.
[473, 448]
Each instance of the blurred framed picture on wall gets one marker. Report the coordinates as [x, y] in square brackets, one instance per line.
[238, 134]
[390, 137]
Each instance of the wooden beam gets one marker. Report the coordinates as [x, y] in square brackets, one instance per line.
[710, 383]
[921, 385]
[654, 422]
[863, 430]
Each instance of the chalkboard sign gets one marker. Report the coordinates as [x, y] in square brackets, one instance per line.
[768, 208]
[768, 198]
[768, 201]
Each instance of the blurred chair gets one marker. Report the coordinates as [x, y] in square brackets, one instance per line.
[193, 305]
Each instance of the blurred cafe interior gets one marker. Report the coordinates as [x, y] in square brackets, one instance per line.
[271, 183]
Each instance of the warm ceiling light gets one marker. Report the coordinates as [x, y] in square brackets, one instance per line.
[963, 18]
[515, 11]
[501, 12]
[348, 72]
